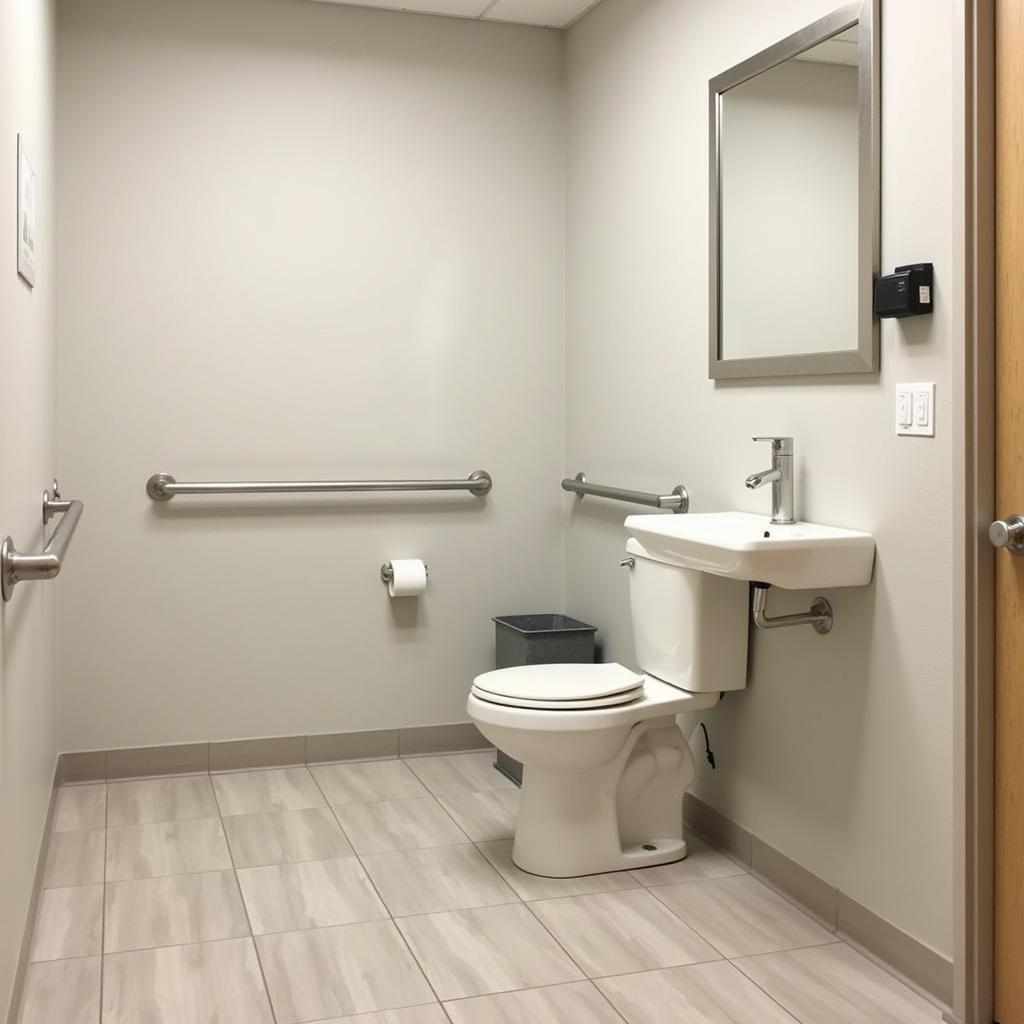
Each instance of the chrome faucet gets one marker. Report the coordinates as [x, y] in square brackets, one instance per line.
[780, 476]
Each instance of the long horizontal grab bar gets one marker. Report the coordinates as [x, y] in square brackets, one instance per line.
[16, 566]
[677, 501]
[163, 486]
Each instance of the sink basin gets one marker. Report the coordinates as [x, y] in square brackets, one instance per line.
[743, 546]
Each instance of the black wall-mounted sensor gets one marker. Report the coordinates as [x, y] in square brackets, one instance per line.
[907, 292]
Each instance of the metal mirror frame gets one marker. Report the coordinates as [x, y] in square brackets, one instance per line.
[865, 358]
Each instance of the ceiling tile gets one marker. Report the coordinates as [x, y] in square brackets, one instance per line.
[456, 8]
[553, 13]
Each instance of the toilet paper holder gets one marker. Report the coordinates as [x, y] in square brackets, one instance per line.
[387, 574]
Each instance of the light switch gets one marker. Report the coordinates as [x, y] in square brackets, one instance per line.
[922, 409]
[904, 407]
[915, 410]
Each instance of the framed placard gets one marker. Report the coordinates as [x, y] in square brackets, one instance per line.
[26, 215]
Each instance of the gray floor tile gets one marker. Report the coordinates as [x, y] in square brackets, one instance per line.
[150, 800]
[702, 861]
[713, 993]
[577, 1002]
[209, 983]
[62, 992]
[313, 894]
[484, 815]
[173, 910]
[74, 858]
[166, 848]
[398, 825]
[537, 887]
[336, 972]
[430, 1014]
[442, 878]
[479, 952]
[69, 923]
[836, 985]
[80, 808]
[621, 932]
[275, 789]
[285, 837]
[460, 773]
[741, 916]
[363, 782]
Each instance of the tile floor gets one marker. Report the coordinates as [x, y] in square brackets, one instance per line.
[383, 892]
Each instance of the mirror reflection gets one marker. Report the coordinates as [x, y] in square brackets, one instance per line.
[790, 278]
[789, 173]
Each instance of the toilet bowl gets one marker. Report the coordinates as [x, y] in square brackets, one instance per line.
[605, 766]
[602, 786]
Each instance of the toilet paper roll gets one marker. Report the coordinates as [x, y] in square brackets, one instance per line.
[408, 577]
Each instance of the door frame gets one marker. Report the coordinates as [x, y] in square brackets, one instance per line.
[973, 508]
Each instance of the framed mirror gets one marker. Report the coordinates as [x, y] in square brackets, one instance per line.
[795, 203]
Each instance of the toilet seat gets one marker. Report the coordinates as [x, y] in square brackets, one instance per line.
[560, 687]
[559, 705]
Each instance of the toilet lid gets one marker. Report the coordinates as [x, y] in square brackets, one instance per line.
[550, 684]
[560, 705]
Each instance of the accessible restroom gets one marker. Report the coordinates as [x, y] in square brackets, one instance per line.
[333, 332]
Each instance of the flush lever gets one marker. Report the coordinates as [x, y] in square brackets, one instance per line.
[1008, 533]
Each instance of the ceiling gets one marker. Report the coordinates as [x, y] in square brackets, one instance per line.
[841, 49]
[550, 13]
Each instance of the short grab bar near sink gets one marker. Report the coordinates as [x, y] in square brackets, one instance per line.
[678, 500]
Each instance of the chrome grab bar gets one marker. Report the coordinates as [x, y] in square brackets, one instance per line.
[16, 567]
[677, 501]
[163, 486]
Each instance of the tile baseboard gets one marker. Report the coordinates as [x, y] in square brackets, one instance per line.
[238, 755]
[801, 886]
[230, 755]
[18, 988]
[917, 963]
[352, 746]
[177, 759]
[440, 739]
[926, 970]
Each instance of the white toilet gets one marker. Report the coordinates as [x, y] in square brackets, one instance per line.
[605, 764]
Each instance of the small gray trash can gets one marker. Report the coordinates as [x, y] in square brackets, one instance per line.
[541, 639]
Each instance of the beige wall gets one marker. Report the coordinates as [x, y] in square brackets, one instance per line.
[838, 753]
[27, 745]
[301, 241]
[272, 214]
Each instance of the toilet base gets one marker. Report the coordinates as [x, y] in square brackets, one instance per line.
[622, 815]
[628, 858]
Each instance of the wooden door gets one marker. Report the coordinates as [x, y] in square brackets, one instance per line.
[1009, 854]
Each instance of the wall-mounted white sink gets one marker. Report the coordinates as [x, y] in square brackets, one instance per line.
[743, 546]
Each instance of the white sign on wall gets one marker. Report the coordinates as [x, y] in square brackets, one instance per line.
[26, 216]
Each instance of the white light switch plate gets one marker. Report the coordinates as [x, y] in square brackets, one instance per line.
[915, 410]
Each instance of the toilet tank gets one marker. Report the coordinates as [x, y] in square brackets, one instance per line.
[689, 628]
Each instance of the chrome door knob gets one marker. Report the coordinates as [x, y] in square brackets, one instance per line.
[1008, 533]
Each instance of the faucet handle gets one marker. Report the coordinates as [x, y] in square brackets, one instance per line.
[780, 445]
